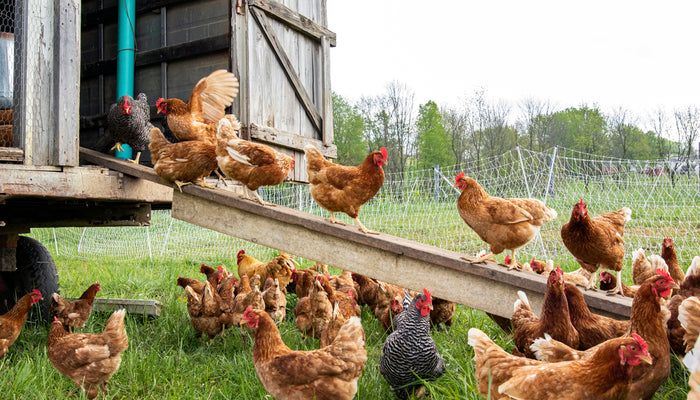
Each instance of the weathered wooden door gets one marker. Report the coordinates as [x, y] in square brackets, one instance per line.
[281, 53]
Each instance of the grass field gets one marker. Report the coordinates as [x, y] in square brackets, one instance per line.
[165, 360]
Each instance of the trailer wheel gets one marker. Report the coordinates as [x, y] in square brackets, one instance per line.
[35, 270]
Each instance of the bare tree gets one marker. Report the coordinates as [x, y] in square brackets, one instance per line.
[534, 125]
[620, 126]
[398, 103]
[498, 137]
[660, 125]
[455, 125]
[476, 115]
[687, 127]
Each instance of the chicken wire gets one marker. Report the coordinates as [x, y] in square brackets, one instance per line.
[7, 68]
[421, 205]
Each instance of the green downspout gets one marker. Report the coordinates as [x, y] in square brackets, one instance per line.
[125, 48]
[125, 56]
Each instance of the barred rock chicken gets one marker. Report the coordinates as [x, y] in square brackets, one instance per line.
[182, 163]
[11, 322]
[597, 241]
[505, 224]
[410, 353]
[74, 314]
[89, 359]
[329, 373]
[606, 375]
[553, 320]
[339, 188]
[252, 164]
[129, 121]
[199, 118]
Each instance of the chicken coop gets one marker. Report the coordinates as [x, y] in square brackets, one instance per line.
[58, 73]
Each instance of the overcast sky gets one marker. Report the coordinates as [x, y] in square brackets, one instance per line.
[633, 54]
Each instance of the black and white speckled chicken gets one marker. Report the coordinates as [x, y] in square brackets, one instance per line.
[410, 352]
[129, 121]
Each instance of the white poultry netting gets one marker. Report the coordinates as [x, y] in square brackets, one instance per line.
[664, 197]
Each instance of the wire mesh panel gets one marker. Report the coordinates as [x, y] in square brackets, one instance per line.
[421, 206]
[7, 72]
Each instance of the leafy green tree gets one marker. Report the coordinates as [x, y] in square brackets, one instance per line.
[583, 129]
[348, 129]
[433, 145]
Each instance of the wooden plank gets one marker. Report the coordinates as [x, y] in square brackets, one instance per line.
[11, 154]
[326, 99]
[79, 182]
[187, 50]
[67, 63]
[288, 139]
[488, 287]
[150, 308]
[290, 72]
[294, 19]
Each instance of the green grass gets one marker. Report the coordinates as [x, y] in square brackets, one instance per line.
[166, 361]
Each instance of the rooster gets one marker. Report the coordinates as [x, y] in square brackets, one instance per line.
[198, 119]
[129, 121]
[606, 375]
[330, 372]
[505, 224]
[74, 314]
[182, 163]
[89, 359]
[11, 322]
[597, 241]
[252, 164]
[409, 354]
[339, 188]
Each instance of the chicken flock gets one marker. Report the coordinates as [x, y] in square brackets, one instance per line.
[564, 352]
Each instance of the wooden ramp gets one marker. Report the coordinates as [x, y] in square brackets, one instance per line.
[488, 286]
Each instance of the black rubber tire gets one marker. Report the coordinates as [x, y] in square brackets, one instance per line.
[35, 270]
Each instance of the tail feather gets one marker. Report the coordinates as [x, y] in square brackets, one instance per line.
[694, 268]
[657, 262]
[691, 359]
[522, 301]
[115, 329]
[689, 317]
[479, 341]
[627, 212]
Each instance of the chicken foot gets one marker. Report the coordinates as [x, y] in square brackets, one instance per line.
[480, 259]
[257, 197]
[363, 229]
[202, 183]
[332, 219]
[180, 184]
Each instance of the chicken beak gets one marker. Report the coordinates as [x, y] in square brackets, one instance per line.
[674, 286]
[646, 358]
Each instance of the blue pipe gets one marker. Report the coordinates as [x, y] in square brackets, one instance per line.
[126, 47]
[126, 23]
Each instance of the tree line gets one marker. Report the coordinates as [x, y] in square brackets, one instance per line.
[480, 127]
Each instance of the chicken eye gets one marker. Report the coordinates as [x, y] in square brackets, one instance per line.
[633, 348]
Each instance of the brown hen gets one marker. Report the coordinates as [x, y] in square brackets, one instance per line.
[74, 314]
[182, 163]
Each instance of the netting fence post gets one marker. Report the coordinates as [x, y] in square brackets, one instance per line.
[436, 181]
[522, 167]
[167, 236]
[550, 183]
[55, 241]
[148, 239]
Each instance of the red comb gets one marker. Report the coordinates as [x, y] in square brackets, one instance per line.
[664, 274]
[240, 252]
[159, 101]
[559, 271]
[220, 268]
[36, 292]
[460, 175]
[429, 298]
[642, 342]
[384, 153]
[55, 319]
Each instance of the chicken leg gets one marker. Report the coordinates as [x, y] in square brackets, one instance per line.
[332, 219]
[362, 227]
[618, 287]
[480, 259]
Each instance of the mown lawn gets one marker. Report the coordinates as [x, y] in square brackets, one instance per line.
[165, 360]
